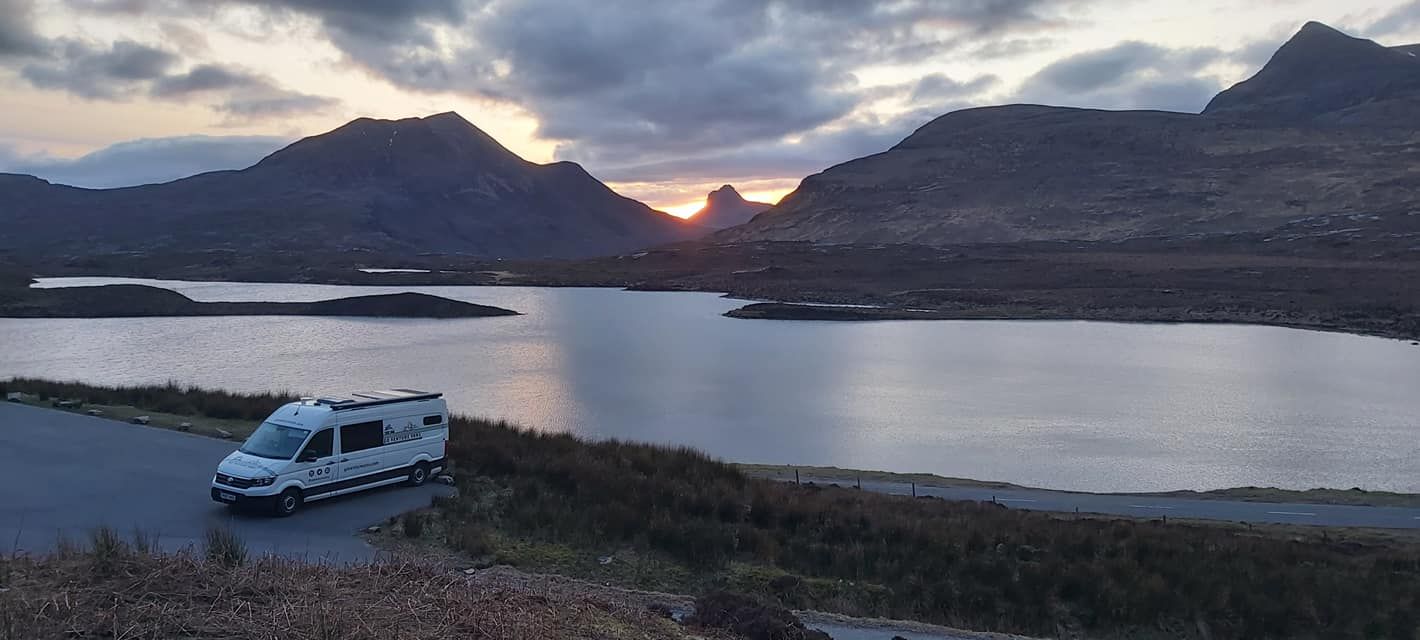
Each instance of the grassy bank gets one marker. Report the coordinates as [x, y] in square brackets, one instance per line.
[676, 519]
[113, 587]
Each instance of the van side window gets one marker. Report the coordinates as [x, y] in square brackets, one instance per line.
[430, 421]
[361, 436]
[322, 444]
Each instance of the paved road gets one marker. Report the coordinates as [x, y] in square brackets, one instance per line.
[67, 473]
[1151, 507]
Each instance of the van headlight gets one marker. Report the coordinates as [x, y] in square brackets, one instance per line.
[263, 482]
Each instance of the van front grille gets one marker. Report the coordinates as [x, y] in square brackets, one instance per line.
[233, 481]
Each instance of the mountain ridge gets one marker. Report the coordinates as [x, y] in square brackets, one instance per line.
[414, 185]
[1263, 159]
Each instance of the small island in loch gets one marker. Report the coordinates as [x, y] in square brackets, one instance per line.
[139, 301]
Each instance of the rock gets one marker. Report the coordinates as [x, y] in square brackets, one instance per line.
[185, 426]
[470, 571]
[605, 560]
[141, 419]
[372, 529]
[95, 412]
[444, 478]
[224, 434]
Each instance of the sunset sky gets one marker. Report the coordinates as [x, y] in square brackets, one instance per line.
[663, 100]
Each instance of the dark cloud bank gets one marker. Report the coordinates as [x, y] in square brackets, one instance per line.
[655, 91]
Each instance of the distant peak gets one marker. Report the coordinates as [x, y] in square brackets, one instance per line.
[1320, 71]
[1312, 27]
[1315, 34]
[451, 116]
[725, 207]
[724, 195]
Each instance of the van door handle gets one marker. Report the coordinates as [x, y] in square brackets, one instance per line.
[345, 459]
[330, 463]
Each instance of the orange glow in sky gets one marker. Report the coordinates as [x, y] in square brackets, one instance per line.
[685, 210]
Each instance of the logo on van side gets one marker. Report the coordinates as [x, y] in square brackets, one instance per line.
[395, 434]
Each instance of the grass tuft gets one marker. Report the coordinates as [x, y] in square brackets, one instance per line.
[107, 550]
[225, 548]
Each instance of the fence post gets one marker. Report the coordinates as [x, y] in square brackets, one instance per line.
[914, 488]
[796, 475]
[860, 481]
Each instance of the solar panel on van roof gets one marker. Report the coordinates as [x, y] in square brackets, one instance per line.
[371, 398]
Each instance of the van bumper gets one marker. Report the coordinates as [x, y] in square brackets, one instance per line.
[239, 499]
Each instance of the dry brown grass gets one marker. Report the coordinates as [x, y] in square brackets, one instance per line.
[133, 595]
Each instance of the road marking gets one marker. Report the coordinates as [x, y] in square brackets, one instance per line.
[1290, 513]
[1013, 500]
[1147, 506]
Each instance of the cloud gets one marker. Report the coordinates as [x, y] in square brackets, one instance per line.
[273, 103]
[1130, 75]
[126, 68]
[810, 153]
[92, 71]
[936, 86]
[17, 35]
[396, 39]
[1404, 19]
[146, 161]
[617, 80]
[206, 77]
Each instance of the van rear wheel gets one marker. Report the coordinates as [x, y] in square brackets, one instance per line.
[288, 502]
[418, 475]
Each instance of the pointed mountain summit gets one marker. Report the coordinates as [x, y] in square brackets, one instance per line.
[396, 187]
[1324, 75]
[725, 207]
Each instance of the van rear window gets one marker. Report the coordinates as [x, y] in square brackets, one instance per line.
[361, 436]
[430, 421]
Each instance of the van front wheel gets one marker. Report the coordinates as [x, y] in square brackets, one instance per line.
[419, 474]
[288, 502]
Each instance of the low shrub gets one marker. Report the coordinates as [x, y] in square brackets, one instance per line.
[471, 539]
[750, 618]
[413, 524]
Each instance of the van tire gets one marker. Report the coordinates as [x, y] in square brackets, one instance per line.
[288, 502]
[418, 475]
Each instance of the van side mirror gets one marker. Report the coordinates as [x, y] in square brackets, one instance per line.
[308, 456]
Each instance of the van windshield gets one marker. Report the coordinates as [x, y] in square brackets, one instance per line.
[274, 441]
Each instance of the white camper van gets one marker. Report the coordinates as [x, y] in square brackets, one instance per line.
[322, 447]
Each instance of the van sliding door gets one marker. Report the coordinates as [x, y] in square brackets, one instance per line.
[359, 451]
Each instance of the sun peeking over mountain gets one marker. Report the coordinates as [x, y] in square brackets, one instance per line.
[689, 210]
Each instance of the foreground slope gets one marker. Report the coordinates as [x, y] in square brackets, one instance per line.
[418, 185]
[1027, 172]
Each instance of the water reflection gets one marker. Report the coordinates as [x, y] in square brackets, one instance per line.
[1074, 405]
